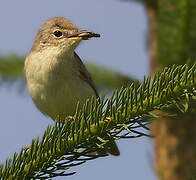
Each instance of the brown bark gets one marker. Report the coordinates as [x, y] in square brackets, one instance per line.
[175, 137]
[152, 11]
[175, 147]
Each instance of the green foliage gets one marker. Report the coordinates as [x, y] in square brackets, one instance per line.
[176, 34]
[124, 115]
[176, 31]
[11, 66]
[12, 70]
[105, 77]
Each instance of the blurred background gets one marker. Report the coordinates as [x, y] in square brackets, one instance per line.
[122, 47]
[126, 28]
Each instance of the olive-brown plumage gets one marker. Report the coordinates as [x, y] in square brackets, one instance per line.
[56, 77]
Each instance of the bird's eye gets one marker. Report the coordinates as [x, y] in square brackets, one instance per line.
[58, 33]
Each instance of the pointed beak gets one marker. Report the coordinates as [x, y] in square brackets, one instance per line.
[84, 35]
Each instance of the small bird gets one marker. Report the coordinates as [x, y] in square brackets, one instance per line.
[56, 77]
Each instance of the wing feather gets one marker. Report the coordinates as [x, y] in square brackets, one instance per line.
[85, 75]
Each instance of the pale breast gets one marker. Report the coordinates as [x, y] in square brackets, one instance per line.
[56, 89]
[62, 97]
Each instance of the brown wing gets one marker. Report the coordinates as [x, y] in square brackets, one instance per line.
[85, 75]
[111, 148]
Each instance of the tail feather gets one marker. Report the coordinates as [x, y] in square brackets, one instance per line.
[110, 148]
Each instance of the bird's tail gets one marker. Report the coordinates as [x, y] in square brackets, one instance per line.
[111, 148]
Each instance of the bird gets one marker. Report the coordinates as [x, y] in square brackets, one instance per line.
[56, 77]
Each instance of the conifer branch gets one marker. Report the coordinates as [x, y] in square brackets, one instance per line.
[12, 70]
[123, 115]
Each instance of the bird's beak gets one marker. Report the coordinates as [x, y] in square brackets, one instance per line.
[84, 35]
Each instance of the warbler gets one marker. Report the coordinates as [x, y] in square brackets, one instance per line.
[56, 77]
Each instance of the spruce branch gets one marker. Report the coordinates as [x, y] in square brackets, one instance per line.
[12, 70]
[106, 77]
[126, 114]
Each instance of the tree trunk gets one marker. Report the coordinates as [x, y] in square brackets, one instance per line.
[172, 34]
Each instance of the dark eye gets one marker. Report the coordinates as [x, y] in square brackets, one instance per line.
[58, 33]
